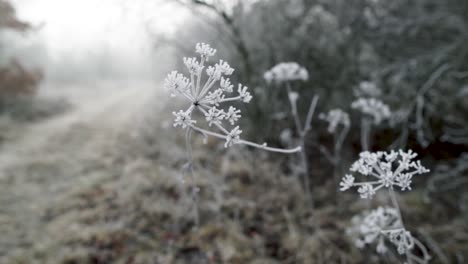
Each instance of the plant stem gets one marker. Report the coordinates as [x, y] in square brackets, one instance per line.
[193, 187]
[339, 140]
[302, 132]
[365, 133]
[248, 143]
[397, 207]
[305, 174]
[310, 114]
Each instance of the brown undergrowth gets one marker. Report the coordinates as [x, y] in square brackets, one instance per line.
[251, 211]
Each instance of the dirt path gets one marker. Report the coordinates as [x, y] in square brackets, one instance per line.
[50, 157]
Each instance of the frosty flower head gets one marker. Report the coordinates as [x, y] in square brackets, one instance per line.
[334, 118]
[176, 83]
[380, 226]
[401, 238]
[209, 93]
[193, 65]
[183, 119]
[243, 94]
[205, 50]
[367, 89]
[232, 115]
[233, 137]
[214, 116]
[225, 85]
[373, 108]
[386, 170]
[286, 71]
[218, 70]
[347, 182]
[208, 99]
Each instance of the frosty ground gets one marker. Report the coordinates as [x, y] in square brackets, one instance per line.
[101, 183]
[48, 161]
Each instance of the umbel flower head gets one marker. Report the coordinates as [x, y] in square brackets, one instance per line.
[211, 98]
[335, 118]
[380, 225]
[373, 108]
[207, 98]
[286, 71]
[385, 170]
[367, 89]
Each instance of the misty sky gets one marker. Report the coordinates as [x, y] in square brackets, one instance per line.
[111, 32]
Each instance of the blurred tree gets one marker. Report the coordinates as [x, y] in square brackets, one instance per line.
[15, 79]
[8, 17]
[414, 51]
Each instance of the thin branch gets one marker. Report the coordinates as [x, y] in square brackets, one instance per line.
[248, 143]
[194, 188]
[400, 218]
[294, 112]
[310, 114]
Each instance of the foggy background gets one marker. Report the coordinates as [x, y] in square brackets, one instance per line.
[92, 169]
[76, 40]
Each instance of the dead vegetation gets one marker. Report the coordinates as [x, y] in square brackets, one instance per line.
[16, 80]
[129, 206]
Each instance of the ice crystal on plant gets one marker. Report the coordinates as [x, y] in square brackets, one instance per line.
[206, 98]
[347, 182]
[286, 71]
[193, 66]
[204, 50]
[214, 116]
[366, 191]
[221, 68]
[243, 94]
[183, 119]
[334, 118]
[233, 137]
[232, 115]
[211, 98]
[387, 170]
[226, 85]
[401, 238]
[373, 108]
[176, 83]
[378, 226]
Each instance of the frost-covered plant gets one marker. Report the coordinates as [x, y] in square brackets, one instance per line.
[286, 71]
[377, 226]
[386, 170]
[211, 99]
[373, 112]
[335, 117]
[373, 108]
[367, 89]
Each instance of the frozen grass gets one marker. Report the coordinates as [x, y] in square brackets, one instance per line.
[16, 114]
